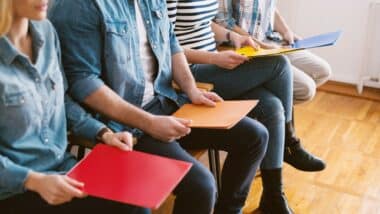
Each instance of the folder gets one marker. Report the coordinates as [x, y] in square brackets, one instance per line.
[130, 177]
[307, 43]
[223, 116]
[317, 41]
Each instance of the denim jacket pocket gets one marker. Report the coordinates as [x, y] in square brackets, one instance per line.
[16, 107]
[117, 36]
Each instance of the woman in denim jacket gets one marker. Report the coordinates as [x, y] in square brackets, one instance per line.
[33, 110]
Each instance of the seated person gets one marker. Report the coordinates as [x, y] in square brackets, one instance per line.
[265, 25]
[234, 77]
[120, 58]
[33, 136]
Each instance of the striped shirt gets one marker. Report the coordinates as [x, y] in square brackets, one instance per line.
[254, 16]
[192, 20]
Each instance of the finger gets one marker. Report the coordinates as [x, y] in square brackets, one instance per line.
[74, 182]
[72, 190]
[127, 139]
[213, 96]
[181, 127]
[185, 122]
[237, 57]
[119, 144]
[251, 43]
[207, 101]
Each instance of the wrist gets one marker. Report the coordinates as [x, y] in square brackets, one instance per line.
[32, 180]
[102, 134]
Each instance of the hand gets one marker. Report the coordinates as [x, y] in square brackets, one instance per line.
[168, 128]
[121, 140]
[200, 97]
[228, 59]
[239, 41]
[289, 37]
[267, 45]
[54, 189]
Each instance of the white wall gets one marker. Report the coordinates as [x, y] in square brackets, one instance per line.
[310, 17]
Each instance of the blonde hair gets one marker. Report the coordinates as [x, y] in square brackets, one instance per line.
[5, 16]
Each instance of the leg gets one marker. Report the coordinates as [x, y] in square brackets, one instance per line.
[196, 193]
[246, 144]
[304, 86]
[273, 73]
[270, 112]
[28, 201]
[314, 66]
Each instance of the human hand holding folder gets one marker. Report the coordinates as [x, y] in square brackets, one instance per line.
[130, 177]
[307, 43]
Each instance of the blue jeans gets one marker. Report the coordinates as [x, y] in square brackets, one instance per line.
[28, 201]
[196, 193]
[268, 79]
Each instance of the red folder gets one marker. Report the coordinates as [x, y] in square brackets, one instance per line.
[130, 177]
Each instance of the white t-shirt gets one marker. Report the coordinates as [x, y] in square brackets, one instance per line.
[148, 60]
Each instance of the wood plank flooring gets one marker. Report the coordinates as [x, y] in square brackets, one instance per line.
[344, 131]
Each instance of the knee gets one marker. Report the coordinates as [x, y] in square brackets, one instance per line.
[203, 187]
[270, 110]
[305, 92]
[284, 63]
[323, 73]
[254, 138]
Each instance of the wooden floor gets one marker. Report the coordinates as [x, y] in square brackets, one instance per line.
[344, 131]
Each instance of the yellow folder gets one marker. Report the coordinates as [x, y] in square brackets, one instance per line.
[251, 53]
[223, 116]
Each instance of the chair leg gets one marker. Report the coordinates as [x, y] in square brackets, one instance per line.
[214, 161]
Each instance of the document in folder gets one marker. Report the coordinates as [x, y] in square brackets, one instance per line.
[130, 177]
[224, 116]
[307, 43]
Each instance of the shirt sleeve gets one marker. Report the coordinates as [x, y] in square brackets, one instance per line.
[224, 16]
[79, 122]
[12, 176]
[81, 41]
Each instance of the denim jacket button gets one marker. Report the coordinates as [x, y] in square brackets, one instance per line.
[158, 14]
[147, 22]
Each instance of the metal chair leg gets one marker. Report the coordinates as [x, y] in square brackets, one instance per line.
[214, 161]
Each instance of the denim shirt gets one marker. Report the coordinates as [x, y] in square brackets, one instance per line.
[33, 132]
[254, 16]
[100, 45]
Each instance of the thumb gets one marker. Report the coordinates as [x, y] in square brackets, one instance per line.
[183, 121]
[120, 145]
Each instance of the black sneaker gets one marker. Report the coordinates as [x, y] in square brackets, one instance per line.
[299, 158]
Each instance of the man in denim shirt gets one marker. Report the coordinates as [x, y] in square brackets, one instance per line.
[113, 52]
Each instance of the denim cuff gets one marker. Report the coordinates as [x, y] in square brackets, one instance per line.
[82, 88]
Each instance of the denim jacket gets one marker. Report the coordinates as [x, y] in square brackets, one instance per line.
[100, 45]
[33, 132]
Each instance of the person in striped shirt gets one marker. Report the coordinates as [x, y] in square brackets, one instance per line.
[234, 77]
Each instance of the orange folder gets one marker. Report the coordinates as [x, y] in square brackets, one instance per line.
[224, 116]
[130, 177]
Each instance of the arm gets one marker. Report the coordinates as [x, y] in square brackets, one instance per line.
[224, 16]
[280, 26]
[83, 69]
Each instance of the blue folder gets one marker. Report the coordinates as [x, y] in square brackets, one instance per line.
[317, 41]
